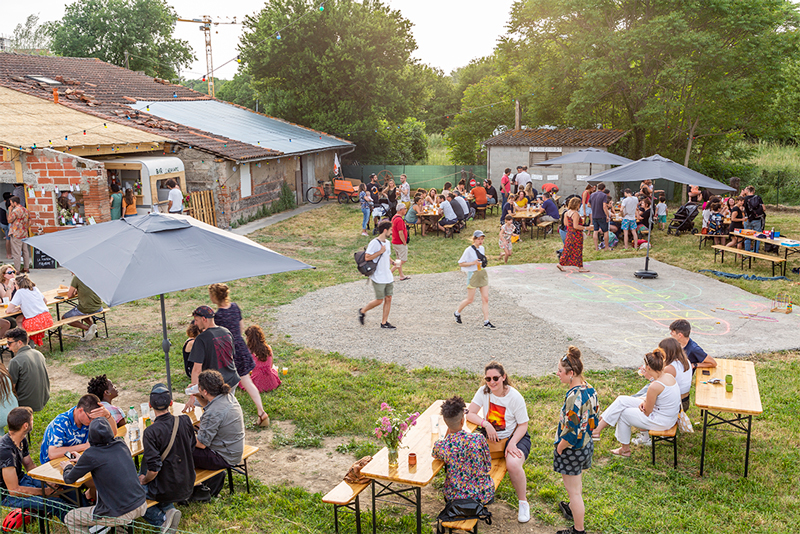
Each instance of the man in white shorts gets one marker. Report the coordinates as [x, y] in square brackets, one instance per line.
[629, 204]
[380, 249]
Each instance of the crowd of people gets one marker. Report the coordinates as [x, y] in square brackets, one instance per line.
[500, 413]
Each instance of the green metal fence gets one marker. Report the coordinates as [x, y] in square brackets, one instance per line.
[424, 176]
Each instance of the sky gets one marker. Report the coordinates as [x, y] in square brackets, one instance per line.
[449, 33]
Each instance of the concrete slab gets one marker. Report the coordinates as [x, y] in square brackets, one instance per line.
[620, 317]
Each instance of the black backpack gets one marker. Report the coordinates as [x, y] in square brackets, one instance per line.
[364, 267]
[460, 510]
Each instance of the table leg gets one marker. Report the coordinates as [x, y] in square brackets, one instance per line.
[418, 493]
[373, 507]
[747, 450]
[703, 448]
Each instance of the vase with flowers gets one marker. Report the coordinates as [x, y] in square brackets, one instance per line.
[391, 428]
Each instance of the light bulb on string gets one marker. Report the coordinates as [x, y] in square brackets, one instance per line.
[238, 59]
[278, 36]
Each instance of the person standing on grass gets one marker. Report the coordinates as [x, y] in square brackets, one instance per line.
[28, 371]
[405, 191]
[629, 204]
[506, 234]
[505, 185]
[661, 212]
[365, 199]
[600, 217]
[473, 262]
[175, 205]
[573, 445]
[19, 221]
[755, 216]
[400, 241]
[382, 278]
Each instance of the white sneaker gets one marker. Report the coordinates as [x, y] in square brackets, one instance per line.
[524, 512]
[642, 439]
[89, 334]
[171, 521]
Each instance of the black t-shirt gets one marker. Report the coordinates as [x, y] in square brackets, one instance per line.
[12, 456]
[736, 211]
[373, 190]
[214, 349]
[491, 192]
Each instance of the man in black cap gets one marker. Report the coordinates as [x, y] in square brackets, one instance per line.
[212, 349]
[168, 467]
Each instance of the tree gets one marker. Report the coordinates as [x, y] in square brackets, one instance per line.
[240, 91]
[684, 77]
[107, 29]
[341, 70]
[441, 100]
[29, 37]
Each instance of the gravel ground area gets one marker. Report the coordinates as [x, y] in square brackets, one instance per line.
[427, 334]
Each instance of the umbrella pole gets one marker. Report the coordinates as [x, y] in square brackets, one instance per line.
[165, 344]
[647, 273]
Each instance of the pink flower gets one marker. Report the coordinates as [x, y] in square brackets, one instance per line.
[385, 407]
[403, 427]
[378, 433]
[385, 421]
[400, 437]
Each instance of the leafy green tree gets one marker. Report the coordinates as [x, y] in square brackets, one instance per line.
[398, 144]
[30, 37]
[341, 70]
[441, 100]
[107, 29]
[240, 91]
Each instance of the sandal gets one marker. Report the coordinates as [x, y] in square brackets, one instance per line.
[617, 452]
[405, 278]
[263, 420]
[560, 268]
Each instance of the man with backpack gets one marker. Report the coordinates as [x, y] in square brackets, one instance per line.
[380, 249]
[754, 215]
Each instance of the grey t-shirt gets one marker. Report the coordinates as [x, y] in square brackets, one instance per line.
[29, 376]
[222, 428]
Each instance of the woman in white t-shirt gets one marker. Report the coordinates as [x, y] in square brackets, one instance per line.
[473, 261]
[505, 417]
[33, 305]
[677, 364]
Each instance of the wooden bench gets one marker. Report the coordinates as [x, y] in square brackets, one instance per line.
[544, 227]
[201, 475]
[497, 473]
[668, 436]
[493, 207]
[480, 211]
[449, 229]
[56, 328]
[704, 238]
[722, 249]
[346, 495]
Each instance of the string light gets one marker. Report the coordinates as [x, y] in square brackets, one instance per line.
[278, 36]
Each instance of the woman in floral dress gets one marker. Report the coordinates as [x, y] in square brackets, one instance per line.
[572, 255]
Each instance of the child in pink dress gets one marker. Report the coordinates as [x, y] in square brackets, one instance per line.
[264, 376]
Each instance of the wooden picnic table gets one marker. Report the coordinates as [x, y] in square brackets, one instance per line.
[419, 440]
[714, 402]
[528, 215]
[789, 246]
[52, 296]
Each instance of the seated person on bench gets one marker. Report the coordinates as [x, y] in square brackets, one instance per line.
[120, 497]
[220, 438]
[448, 214]
[466, 457]
[480, 197]
[103, 389]
[30, 301]
[550, 208]
[88, 303]
[167, 467]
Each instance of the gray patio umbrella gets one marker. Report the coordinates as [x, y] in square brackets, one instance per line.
[656, 167]
[587, 155]
[139, 257]
[653, 168]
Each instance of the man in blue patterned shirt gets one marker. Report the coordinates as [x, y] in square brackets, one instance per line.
[69, 431]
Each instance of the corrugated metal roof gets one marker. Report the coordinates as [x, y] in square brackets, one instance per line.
[563, 137]
[243, 125]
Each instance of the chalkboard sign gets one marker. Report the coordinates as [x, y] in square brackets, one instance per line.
[42, 260]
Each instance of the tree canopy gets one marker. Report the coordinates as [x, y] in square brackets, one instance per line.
[30, 37]
[107, 29]
[342, 70]
[686, 78]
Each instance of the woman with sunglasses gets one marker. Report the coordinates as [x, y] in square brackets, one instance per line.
[658, 411]
[573, 445]
[8, 284]
[505, 419]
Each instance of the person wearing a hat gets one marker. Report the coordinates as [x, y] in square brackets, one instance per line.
[473, 262]
[120, 496]
[212, 349]
[167, 466]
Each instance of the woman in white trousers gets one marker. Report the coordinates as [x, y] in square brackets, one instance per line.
[659, 410]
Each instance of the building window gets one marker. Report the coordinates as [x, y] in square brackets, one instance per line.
[246, 181]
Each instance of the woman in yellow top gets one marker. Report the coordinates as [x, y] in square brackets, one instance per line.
[521, 201]
[128, 204]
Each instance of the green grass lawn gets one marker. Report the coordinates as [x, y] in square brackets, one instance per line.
[622, 495]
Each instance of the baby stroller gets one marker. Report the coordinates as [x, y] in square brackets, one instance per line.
[684, 219]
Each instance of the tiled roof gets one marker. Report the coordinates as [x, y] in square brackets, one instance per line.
[563, 137]
[111, 92]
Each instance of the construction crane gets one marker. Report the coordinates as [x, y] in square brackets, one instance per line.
[205, 26]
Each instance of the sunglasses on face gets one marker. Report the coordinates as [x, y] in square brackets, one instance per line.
[11, 272]
[493, 378]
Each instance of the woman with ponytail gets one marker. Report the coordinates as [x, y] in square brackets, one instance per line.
[573, 444]
[657, 411]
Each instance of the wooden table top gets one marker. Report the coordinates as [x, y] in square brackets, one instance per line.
[527, 213]
[781, 241]
[177, 407]
[419, 440]
[744, 399]
[51, 473]
[49, 295]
